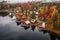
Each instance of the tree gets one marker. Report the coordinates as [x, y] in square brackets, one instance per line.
[3, 5]
[28, 6]
[56, 21]
[33, 15]
[59, 20]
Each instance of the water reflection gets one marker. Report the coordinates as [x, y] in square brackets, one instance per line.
[18, 23]
[10, 31]
[33, 28]
[3, 14]
[54, 36]
[26, 27]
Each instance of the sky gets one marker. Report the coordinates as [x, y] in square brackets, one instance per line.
[15, 1]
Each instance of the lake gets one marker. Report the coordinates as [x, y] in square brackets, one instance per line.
[9, 30]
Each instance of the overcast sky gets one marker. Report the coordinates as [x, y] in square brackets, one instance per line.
[13, 1]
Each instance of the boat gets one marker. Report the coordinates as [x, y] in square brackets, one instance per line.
[18, 20]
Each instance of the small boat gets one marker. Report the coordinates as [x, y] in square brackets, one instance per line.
[25, 26]
[11, 15]
[20, 18]
[26, 23]
[42, 24]
[33, 22]
[18, 21]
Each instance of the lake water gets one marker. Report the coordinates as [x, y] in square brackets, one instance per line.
[9, 30]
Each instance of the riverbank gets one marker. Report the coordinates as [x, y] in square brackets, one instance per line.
[51, 30]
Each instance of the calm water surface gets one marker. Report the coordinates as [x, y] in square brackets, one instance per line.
[9, 30]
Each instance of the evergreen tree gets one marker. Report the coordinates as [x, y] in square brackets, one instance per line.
[33, 15]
